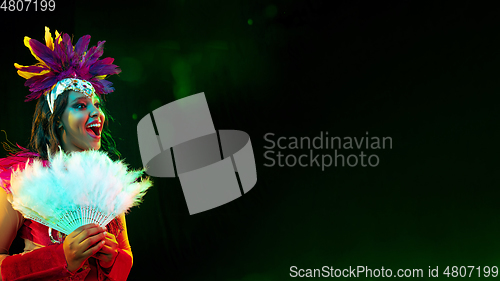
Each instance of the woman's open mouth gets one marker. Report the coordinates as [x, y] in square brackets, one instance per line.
[94, 129]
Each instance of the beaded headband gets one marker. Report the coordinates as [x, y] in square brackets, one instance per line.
[62, 66]
[75, 84]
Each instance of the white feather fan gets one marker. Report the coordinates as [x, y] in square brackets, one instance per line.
[76, 189]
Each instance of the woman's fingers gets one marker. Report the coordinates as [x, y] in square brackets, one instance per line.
[107, 250]
[81, 244]
[93, 250]
[106, 255]
[91, 240]
[77, 231]
[89, 230]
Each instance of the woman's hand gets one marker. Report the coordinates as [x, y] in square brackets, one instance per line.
[82, 243]
[108, 252]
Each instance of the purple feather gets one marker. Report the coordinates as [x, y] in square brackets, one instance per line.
[107, 86]
[100, 63]
[97, 52]
[33, 96]
[109, 70]
[82, 45]
[106, 69]
[60, 54]
[38, 84]
[33, 81]
[44, 53]
[83, 72]
[99, 89]
[68, 73]
[107, 60]
[67, 62]
[45, 83]
[69, 49]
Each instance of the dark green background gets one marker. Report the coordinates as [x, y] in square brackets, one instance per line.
[425, 75]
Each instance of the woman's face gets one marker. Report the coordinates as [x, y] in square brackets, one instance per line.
[82, 123]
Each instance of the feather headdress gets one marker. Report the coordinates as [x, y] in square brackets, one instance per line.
[76, 189]
[58, 59]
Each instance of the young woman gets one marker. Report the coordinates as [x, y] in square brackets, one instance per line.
[68, 82]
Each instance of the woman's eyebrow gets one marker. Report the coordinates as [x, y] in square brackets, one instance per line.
[78, 99]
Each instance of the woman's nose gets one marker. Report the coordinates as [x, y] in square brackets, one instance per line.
[94, 112]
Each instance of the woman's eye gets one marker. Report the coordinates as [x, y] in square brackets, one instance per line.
[80, 106]
[97, 105]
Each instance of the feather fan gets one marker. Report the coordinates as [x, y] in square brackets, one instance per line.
[76, 189]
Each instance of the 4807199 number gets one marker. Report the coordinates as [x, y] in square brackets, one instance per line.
[463, 271]
[24, 5]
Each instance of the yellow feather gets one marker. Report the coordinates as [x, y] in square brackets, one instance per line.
[100, 77]
[60, 38]
[18, 66]
[48, 39]
[28, 75]
[25, 75]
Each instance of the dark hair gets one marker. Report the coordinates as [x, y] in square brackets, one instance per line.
[46, 135]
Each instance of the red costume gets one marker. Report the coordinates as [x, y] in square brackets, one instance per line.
[43, 259]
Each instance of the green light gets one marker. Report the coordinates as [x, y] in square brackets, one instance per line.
[134, 116]
[271, 11]
[132, 69]
[217, 44]
[154, 104]
[250, 21]
[181, 72]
